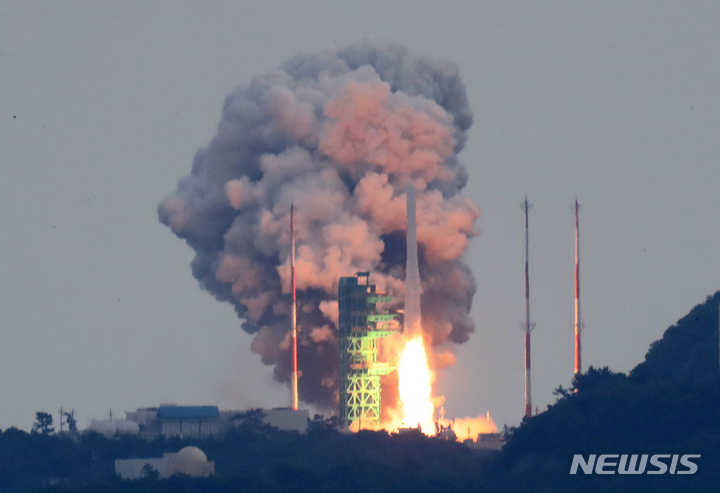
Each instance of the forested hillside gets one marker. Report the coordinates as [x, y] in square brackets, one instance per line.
[668, 404]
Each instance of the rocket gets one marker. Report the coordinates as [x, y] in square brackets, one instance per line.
[412, 272]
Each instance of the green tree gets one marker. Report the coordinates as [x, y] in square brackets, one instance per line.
[149, 472]
[71, 421]
[43, 423]
[251, 423]
[321, 425]
[250, 418]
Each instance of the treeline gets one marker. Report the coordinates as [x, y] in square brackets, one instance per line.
[668, 404]
[254, 458]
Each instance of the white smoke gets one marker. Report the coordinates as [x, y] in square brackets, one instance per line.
[341, 135]
[110, 428]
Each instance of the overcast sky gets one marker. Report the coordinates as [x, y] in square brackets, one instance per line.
[103, 105]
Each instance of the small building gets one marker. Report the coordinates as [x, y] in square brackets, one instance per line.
[487, 441]
[190, 461]
[170, 420]
[285, 418]
[142, 416]
[282, 418]
[410, 430]
[146, 418]
[189, 421]
[202, 422]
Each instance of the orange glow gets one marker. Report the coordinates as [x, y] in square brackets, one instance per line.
[415, 387]
[471, 427]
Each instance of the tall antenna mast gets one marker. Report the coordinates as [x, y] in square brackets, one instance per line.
[527, 326]
[578, 323]
[294, 376]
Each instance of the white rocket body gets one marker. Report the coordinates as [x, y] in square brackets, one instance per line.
[413, 326]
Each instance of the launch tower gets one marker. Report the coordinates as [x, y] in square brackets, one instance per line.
[360, 327]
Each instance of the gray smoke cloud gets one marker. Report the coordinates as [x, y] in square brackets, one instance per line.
[341, 135]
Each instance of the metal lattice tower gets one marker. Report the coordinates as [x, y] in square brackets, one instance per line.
[360, 327]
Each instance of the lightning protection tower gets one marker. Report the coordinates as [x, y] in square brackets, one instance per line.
[578, 322]
[527, 326]
[294, 376]
[360, 327]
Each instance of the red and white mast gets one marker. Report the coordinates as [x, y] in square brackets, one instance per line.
[578, 323]
[294, 376]
[527, 326]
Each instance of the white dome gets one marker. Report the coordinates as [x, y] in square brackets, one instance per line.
[190, 454]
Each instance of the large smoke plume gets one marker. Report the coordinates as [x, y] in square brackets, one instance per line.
[341, 135]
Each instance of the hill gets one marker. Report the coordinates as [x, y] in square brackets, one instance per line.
[668, 404]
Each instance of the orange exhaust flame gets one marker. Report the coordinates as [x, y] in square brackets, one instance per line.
[415, 387]
[417, 403]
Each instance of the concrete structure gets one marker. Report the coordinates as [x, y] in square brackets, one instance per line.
[287, 419]
[189, 421]
[142, 416]
[360, 327]
[487, 441]
[182, 421]
[205, 421]
[190, 461]
[283, 418]
[492, 441]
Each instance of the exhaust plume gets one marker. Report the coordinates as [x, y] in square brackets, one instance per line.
[342, 135]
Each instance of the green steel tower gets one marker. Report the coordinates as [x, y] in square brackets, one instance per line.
[360, 327]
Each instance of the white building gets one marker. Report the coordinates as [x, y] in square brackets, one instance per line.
[182, 421]
[283, 418]
[189, 421]
[487, 441]
[142, 416]
[170, 420]
[287, 419]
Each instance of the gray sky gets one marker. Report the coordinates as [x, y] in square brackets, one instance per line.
[103, 105]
